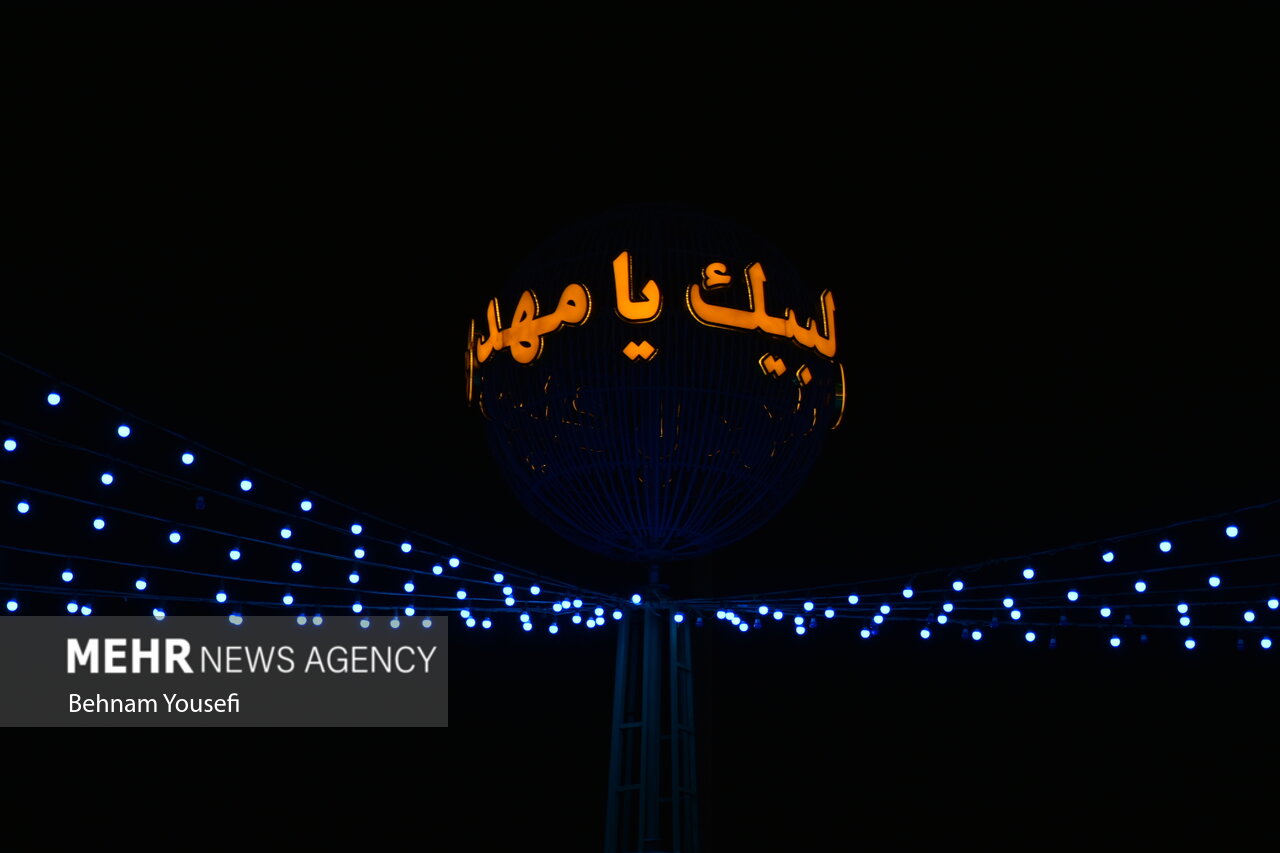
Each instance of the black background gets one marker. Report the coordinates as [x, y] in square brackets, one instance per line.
[1052, 251]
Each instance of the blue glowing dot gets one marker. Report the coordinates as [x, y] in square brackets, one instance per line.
[577, 602]
[617, 614]
[220, 597]
[68, 576]
[808, 605]
[799, 629]
[977, 635]
[462, 593]
[1232, 531]
[947, 607]
[1105, 612]
[553, 628]
[865, 633]
[437, 569]
[54, 398]
[140, 584]
[486, 624]
[1249, 616]
[853, 599]
[1182, 608]
[24, 507]
[72, 607]
[359, 553]
[1190, 643]
[285, 533]
[577, 618]
[356, 607]
[942, 618]
[1007, 602]
[829, 613]
[287, 598]
[763, 609]
[405, 547]
[1030, 636]
[1215, 581]
[188, 458]
[1273, 603]
[498, 577]
[599, 611]
[454, 562]
[884, 608]
[799, 620]
[1028, 573]
[246, 485]
[1140, 586]
[364, 622]
[99, 523]
[1184, 621]
[296, 565]
[306, 505]
[107, 478]
[354, 577]
[1108, 556]
[509, 601]
[908, 592]
[1015, 614]
[535, 590]
[317, 619]
[1072, 595]
[679, 617]
[85, 610]
[878, 619]
[635, 599]
[778, 614]
[524, 617]
[409, 611]
[12, 604]
[10, 445]
[1265, 642]
[1166, 546]
[464, 614]
[507, 590]
[557, 607]
[408, 586]
[123, 430]
[1115, 642]
[957, 585]
[357, 529]
[742, 626]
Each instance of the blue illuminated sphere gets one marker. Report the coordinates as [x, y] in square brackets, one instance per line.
[657, 440]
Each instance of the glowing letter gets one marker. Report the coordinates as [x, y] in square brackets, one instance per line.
[524, 336]
[647, 307]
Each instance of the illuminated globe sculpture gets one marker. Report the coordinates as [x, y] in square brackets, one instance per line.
[656, 382]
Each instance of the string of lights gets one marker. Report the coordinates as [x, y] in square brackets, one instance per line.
[1213, 589]
[202, 530]
[195, 528]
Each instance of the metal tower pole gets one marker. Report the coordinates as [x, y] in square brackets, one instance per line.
[653, 803]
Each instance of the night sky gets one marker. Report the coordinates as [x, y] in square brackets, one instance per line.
[1053, 281]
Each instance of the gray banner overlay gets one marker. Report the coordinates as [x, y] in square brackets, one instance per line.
[204, 671]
